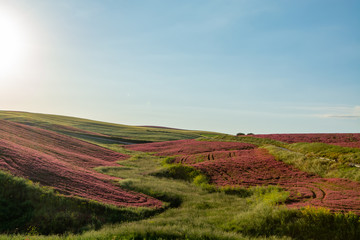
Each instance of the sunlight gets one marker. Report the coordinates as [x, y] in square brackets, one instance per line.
[13, 44]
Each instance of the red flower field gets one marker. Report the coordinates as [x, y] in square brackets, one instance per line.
[65, 164]
[186, 147]
[340, 139]
[239, 164]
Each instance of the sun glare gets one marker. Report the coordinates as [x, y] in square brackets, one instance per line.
[13, 44]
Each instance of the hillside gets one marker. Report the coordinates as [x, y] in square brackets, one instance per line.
[63, 163]
[240, 164]
[93, 180]
[100, 132]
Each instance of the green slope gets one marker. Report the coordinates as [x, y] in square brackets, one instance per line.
[27, 207]
[100, 132]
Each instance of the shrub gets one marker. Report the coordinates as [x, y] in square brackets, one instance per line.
[178, 171]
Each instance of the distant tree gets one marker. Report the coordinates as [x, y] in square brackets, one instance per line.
[240, 134]
[250, 134]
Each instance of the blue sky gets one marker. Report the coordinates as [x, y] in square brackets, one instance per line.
[230, 66]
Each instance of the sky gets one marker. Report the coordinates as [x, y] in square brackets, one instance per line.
[230, 66]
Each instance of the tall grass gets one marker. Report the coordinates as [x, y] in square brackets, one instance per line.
[337, 153]
[28, 207]
[312, 163]
[308, 223]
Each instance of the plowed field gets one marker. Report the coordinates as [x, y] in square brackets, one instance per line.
[239, 164]
[64, 163]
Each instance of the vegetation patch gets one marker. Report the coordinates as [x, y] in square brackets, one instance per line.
[340, 139]
[250, 139]
[313, 163]
[100, 132]
[26, 207]
[337, 153]
[240, 164]
[178, 171]
[309, 223]
[65, 164]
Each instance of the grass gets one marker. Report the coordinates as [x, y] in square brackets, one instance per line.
[114, 133]
[194, 209]
[244, 139]
[313, 163]
[26, 207]
[225, 213]
[190, 219]
[337, 153]
[322, 159]
[308, 223]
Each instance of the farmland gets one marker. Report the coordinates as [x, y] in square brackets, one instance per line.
[241, 164]
[70, 178]
[339, 139]
[101, 132]
[64, 164]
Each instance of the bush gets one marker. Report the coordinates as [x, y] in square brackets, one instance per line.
[178, 171]
[239, 191]
[14, 215]
[169, 160]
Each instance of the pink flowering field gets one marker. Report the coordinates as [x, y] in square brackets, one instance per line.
[241, 164]
[64, 163]
[339, 139]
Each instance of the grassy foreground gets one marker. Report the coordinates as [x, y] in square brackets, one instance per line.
[28, 207]
[200, 212]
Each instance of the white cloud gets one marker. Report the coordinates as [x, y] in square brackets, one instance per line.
[354, 113]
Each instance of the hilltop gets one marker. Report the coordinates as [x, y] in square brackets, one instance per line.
[101, 131]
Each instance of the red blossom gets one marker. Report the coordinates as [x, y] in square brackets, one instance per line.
[240, 164]
[340, 139]
[65, 164]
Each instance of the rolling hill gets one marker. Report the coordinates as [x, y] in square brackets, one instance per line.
[63, 163]
[83, 179]
[101, 132]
